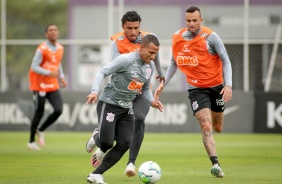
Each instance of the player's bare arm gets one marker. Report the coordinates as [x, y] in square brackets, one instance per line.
[158, 91]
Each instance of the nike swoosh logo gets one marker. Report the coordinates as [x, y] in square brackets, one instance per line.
[231, 109]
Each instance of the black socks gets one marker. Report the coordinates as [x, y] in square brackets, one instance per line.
[214, 160]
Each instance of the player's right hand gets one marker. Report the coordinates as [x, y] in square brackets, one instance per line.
[158, 105]
[161, 79]
[92, 98]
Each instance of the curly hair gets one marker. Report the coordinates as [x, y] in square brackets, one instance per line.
[131, 16]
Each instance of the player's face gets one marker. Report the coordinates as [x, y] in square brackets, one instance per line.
[52, 33]
[131, 29]
[148, 52]
[193, 21]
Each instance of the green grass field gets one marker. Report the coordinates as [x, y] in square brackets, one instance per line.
[245, 158]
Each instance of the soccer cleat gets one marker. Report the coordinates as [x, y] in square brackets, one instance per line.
[97, 178]
[41, 137]
[90, 145]
[97, 158]
[33, 146]
[217, 171]
[130, 170]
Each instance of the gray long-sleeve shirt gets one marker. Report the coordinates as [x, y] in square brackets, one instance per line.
[215, 47]
[37, 60]
[132, 75]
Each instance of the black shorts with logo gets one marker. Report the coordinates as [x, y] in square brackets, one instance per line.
[206, 98]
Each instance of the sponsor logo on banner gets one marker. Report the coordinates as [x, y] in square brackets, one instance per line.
[268, 113]
[11, 114]
[274, 114]
[173, 114]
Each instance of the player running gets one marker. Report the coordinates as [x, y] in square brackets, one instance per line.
[125, 42]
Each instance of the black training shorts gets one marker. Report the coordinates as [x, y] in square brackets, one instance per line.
[206, 98]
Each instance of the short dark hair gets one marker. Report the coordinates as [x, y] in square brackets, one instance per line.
[193, 9]
[47, 27]
[131, 16]
[150, 38]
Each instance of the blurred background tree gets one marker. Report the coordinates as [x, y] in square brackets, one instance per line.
[21, 25]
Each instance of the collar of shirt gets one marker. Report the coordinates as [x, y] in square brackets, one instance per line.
[138, 39]
[188, 35]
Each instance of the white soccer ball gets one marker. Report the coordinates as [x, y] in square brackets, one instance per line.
[149, 172]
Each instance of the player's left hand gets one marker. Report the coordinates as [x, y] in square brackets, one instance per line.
[226, 93]
[63, 82]
[157, 105]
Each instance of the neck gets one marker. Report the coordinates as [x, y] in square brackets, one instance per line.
[140, 58]
[52, 42]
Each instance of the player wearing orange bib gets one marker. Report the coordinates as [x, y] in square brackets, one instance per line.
[44, 73]
[50, 62]
[201, 68]
[200, 54]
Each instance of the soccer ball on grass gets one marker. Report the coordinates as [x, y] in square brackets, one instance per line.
[149, 172]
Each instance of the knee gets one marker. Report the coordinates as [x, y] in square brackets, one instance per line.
[58, 111]
[218, 129]
[127, 144]
[206, 127]
[105, 145]
[123, 146]
[217, 126]
[139, 127]
[140, 118]
[39, 113]
[217, 121]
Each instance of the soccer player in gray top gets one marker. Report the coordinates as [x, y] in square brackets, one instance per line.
[200, 54]
[124, 42]
[132, 74]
